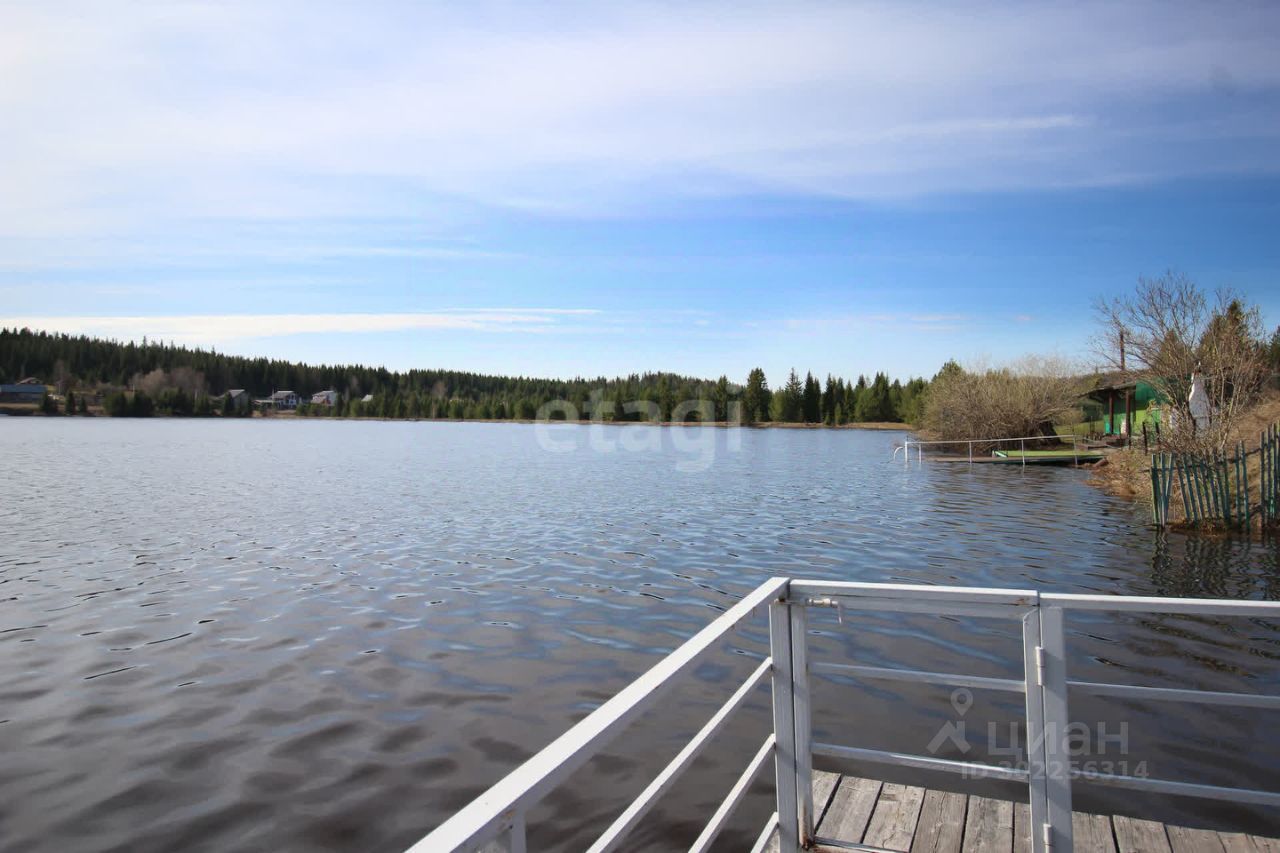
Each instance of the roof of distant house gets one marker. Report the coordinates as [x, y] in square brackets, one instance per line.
[236, 392]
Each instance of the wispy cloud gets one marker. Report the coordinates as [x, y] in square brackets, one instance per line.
[216, 329]
[119, 117]
[883, 321]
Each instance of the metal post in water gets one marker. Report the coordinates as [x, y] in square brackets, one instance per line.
[971, 453]
[1022, 442]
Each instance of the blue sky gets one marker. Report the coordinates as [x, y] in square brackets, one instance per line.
[594, 189]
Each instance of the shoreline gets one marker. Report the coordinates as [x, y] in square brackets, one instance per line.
[887, 426]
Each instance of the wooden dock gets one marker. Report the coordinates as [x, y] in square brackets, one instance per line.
[863, 814]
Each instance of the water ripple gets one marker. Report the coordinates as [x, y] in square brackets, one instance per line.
[329, 636]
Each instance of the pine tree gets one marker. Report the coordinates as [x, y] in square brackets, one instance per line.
[855, 396]
[791, 407]
[841, 404]
[874, 403]
[720, 398]
[71, 403]
[755, 400]
[811, 402]
[829, 397]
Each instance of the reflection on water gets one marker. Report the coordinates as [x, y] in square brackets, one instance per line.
[302, 636]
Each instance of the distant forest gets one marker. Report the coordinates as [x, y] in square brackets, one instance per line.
[148, 378]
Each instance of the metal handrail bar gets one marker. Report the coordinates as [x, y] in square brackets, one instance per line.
[918, 676]
[1203, 697]
[987, 440]
[1143, 604]
[802, 589]
[921, 762]
[735, 795]
[1181, 789]
[765, 834]
[615, 834]
[505, 803]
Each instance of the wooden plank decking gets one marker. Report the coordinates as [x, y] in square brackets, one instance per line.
[870, 815]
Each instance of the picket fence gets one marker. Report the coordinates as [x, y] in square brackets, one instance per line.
[1215, 489]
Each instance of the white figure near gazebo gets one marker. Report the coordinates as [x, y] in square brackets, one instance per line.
[1198, 402]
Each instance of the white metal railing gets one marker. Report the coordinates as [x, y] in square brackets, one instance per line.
[905, 447]
[501, 811]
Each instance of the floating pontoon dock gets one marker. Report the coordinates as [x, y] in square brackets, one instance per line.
[1006, 451]
[859, 814]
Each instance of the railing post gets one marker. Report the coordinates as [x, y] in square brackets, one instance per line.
[1052, 678]
[971, 453]
[1032, 651]
[803, 722]
[784, 730]
[516, 844]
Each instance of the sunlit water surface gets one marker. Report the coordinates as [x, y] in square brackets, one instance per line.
[330, 636]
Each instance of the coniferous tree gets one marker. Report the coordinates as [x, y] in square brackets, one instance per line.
[71, 403]
[874, 403]
[811, 402]
[755, 399]
[142, 406]
[720, 398]
[790, 409]
[666, 399]
[840, 405]
[855, 395]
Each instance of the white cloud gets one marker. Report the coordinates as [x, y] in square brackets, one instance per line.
[217, 329]
[119, 117]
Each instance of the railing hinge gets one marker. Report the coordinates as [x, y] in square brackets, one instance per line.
[1048, 835]
[1040, 665]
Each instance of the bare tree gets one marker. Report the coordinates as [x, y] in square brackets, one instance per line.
[1168, 331]
[1029, 397]
[189, 380]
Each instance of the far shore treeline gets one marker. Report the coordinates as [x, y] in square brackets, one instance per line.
[148, 378]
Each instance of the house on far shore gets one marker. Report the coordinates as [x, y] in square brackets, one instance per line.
[239, 397]
[27, 391]
[284, 400]
[367, 398]
[325, 398]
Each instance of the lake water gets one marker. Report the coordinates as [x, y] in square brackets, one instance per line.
[260, 635]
